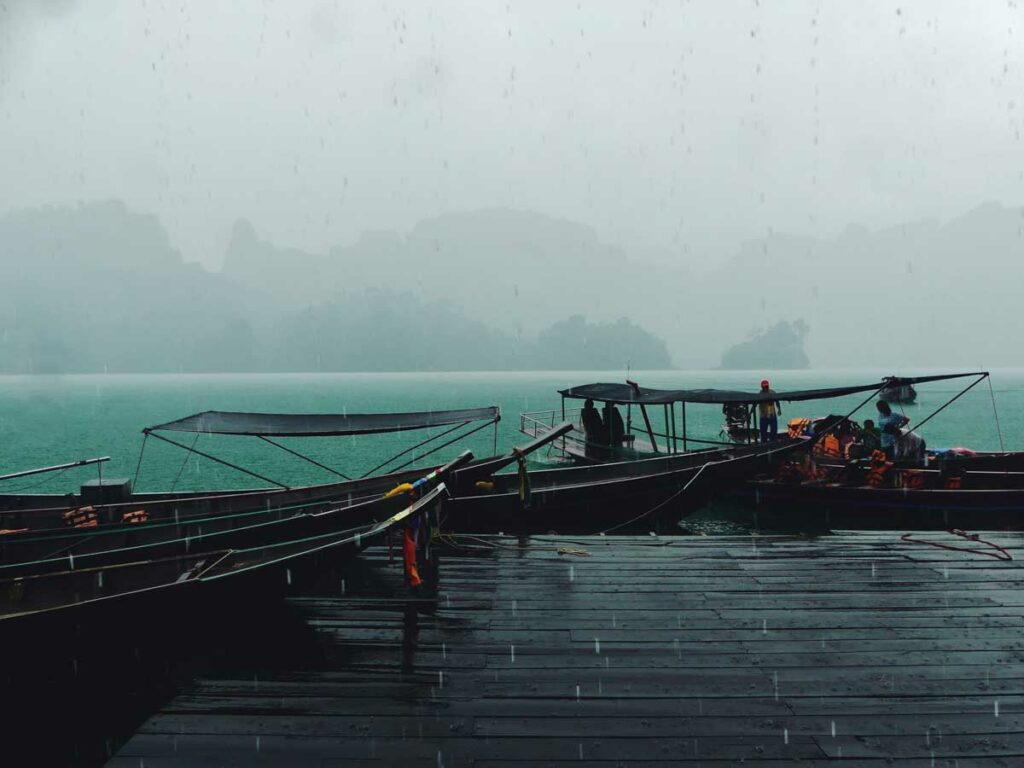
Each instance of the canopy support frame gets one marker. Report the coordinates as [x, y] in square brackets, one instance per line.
[211, 457]
[302, 456]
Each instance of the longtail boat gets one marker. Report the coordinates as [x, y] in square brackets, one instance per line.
[117, 496]
[192, 520]
[624, 497]
[643, 436]
[57, 597]
[910, 499]
[92, 548]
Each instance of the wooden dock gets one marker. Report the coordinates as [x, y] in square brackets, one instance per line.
[639, 652]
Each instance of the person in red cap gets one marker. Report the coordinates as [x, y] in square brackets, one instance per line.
[769, 411]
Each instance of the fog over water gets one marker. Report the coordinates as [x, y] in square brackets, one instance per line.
[858, 166]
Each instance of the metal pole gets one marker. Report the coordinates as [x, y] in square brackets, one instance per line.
[684, 427]
[70, 465]
[949, 402]
[219, 461]
[650, 431]
[303, 456]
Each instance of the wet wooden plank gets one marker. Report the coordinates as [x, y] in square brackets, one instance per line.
[648, 650]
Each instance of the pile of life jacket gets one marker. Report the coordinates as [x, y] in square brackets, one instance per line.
[912, 479]
[136, 516]
[801, 471]
[829, 447]
[878, 468]
[952, 479]
[798, 427]
[81, 517]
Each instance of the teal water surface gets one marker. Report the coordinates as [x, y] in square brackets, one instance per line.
[47, 420]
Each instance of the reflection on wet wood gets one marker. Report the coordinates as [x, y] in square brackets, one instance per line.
[641, 651]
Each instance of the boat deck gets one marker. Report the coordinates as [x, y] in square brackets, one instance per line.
[640, 652]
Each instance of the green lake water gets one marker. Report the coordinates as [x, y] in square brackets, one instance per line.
[46, 420]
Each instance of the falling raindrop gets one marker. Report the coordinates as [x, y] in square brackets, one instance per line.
[785, 735]
[764, 626]
[512, 652]
[444, 651]
[514, 606]
[440, 678]
[833, 729]
[572, 573]
[597, 646]
[577, 692]
[997, 707]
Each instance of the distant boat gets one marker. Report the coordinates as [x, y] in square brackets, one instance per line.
[898, 390]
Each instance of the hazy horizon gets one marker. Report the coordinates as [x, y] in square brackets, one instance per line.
[699, 171]
[679, 131]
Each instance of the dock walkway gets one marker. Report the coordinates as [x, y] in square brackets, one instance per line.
[639, 652]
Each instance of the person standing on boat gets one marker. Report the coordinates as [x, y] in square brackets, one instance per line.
[885, 418]
[769, 411]
[593, 429]
[613, 423]
[907, 444]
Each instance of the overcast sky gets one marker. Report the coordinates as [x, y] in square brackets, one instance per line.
[686, 125]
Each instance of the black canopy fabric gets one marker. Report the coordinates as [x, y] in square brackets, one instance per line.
[628, 393]
[321, 424]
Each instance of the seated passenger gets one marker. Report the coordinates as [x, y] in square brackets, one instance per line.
[865, 443]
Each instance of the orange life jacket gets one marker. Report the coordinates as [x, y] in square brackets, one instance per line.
[137, 516]
[879, 469]
[913, 479]
[412, 573]
[953, 483]
[830, 446]
[82, 517]
[797, 427]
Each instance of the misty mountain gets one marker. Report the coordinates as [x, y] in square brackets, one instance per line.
[778, 348]
[924, 293]
[99, 288]
[518, 271]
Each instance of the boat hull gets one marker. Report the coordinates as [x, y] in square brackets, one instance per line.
[787, 505]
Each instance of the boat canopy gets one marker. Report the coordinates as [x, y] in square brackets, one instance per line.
[631, 393]
[321, 424]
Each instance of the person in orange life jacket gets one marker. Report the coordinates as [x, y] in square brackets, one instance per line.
[885, 418]
[769, 411]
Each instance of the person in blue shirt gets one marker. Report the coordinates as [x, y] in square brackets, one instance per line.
[885, 418]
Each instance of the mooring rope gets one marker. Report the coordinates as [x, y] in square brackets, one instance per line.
[996, 551]
[999, 429]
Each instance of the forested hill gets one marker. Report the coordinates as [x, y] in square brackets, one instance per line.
[96, 288]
